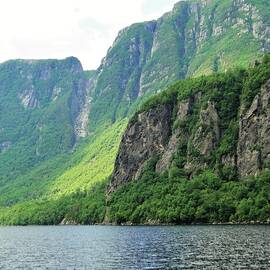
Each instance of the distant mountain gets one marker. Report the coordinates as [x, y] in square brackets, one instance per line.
[41, 105]
[60, 126]
[195, 38]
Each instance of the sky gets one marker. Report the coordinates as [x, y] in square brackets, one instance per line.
[41, 29]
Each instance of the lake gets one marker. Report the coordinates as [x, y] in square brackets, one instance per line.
[113, 247]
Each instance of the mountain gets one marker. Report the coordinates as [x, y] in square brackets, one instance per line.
[70, 186]
[219, 122]
[41, 104]
[195, 38]
[58, 146]
[198, 152]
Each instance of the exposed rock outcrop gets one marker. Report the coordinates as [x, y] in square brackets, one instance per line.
[205, 139]
[29, 99]
[164, 131]
[82, 120]
[184, 108]
[151, 133]
[253, 148]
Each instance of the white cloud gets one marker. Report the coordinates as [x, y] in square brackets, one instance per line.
[59, 28]
[153, 7]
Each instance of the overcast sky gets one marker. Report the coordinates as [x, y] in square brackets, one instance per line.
[39, 29]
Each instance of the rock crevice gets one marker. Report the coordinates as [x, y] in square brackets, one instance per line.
[165, 132]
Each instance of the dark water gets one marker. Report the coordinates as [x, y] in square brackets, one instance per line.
[99, 247]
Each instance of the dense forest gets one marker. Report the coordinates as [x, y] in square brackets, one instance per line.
[210, 195]
[58, 147]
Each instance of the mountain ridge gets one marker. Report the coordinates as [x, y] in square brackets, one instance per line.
[66, 125]
[196, 37]
[45, 97]
[197, 153]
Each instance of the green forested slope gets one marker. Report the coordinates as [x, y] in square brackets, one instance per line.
[46, 194]
[195, 38]
[39, 103]
[218, 169]
[209, 192]
[44, 105]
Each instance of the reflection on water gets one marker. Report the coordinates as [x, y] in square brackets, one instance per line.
[108, 247]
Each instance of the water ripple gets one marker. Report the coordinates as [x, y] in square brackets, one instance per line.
[100, 247]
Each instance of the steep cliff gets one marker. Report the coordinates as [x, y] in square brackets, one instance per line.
[196, 37]
[253, 148]
[46, 106]
[151, 133]
[219, 122]
[41, 102]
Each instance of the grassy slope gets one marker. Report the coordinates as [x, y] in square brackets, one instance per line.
[234, 48]
[169, 197]
[227, 52]
[50, 184]
[96, 162]
[93, 160]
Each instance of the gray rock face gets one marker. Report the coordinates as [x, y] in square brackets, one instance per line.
[82, 120]
[80, 106]
[85, 101]
[155, 133]
[253, 150]
[208, 134]
[184, 108]
[151, 133]
[28, 99]
[205, 138]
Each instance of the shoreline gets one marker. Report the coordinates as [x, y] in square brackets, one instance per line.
[155, 224]
[138, 225]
